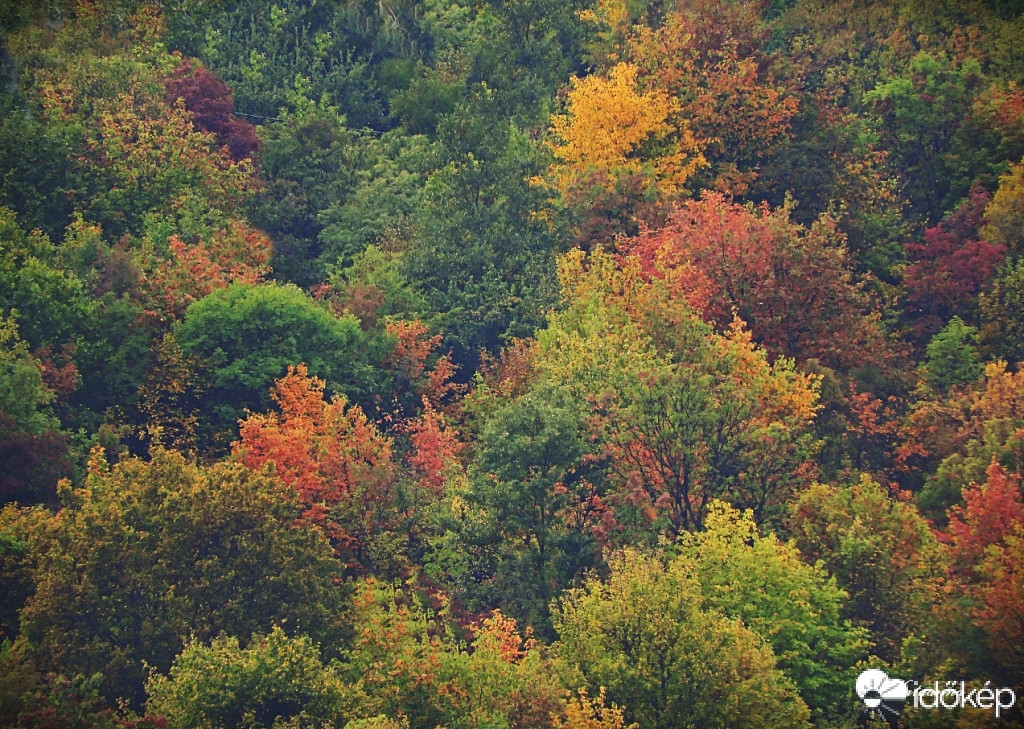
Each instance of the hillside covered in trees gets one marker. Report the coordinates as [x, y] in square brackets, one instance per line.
[509, 364]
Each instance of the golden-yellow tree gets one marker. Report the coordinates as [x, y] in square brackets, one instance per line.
[613, 127]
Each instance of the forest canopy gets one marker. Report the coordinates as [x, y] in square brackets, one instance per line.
[515, 364]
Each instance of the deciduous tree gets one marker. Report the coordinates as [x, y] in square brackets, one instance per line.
[644, 635]
[335, 459]
[147, 554]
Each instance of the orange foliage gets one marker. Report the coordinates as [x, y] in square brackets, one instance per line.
[236, 255]
[435, 448]
[500, 634]
[414, 347]
[708, 58]
[331, 454]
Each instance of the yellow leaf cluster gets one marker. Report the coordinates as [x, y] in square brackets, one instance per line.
[613, 127]
[587, 713]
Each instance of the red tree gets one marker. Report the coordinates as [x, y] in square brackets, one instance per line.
[212, 106]
[792, 285]
[948, 268]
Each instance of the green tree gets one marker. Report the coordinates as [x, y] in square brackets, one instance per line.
[384, 202]
[532, 482]
[282, 55]
[482, 258]
[310, 161]
[684, 414]
[644, 635]
[275, 681]
[148, 554]
[952, 358]
[32, 449]
[23, 395]
[925, 117]
[881, 552]
[246, 336]
[1001, 329]
[52, 303]
[414, 664]
[795, 607]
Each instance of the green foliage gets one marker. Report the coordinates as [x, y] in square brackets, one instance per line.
[387, 193]
[530, 481]
[246, 336]
[684, 414]
[952, 357]
[52, 304]
[33, 167]
[113, 359]
[23, 396]
[795, 607]
[881, 552]
[281, 55]
[400, 183]
[990, 427]
[483, 256]
[33, 452]
[23, 532]
[150, 553]
[309, 160]
[276, 682]
[1002, 328]
[424, 102]
[374, 288]
[644, 635]
[127, 152]
[926, 115]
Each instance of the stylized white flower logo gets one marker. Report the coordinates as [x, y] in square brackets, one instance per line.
[882, 694]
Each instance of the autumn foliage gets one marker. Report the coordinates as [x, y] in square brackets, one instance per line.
[614, 127]
[519, 364]
[331, 454]
[791, 285]
[189, 272]
[210, 102]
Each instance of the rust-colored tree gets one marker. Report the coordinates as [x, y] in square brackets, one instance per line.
[709, 58]
[212, 106]
[986, 540]
[333, 456]
[949, 267]
[792, 285]
[237, 254]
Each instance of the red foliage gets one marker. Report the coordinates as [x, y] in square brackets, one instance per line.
[435, 448]
[949, 267]
[986, 538]
[990, 512]
[211, 104]
[792, 285]
[32, 464]
[513, 372]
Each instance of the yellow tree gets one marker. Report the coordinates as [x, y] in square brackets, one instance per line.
[615, 127]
